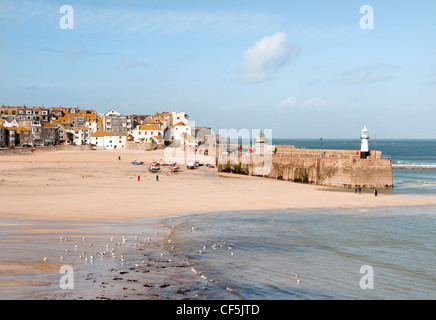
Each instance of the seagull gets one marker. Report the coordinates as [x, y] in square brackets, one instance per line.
[231, 253]
[45, 259]
[161, 254]
[298, 281]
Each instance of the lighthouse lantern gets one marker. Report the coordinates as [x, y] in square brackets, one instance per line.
[364, 149]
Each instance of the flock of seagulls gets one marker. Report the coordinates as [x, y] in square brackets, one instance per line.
[116, 249]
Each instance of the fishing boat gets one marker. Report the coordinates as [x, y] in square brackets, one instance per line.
[190, 165]
[175, 169]
[153, 169]
[169, 163]
[137, 163]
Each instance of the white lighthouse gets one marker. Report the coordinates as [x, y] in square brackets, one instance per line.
[364, 149]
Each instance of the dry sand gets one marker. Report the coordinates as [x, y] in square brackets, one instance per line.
[95, 185]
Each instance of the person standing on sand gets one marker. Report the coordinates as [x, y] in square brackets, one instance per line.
[157, 177]
[139, 178]
[375, 192]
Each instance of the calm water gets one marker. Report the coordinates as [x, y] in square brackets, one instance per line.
[325, 248]
[401, 152]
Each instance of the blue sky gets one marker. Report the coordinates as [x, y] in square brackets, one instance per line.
[302, 69]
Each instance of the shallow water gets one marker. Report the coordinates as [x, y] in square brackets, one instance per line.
[325, 248]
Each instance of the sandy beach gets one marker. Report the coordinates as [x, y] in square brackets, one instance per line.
[75, 193]
[95, 185]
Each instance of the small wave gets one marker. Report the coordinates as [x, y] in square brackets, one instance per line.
[413, 163]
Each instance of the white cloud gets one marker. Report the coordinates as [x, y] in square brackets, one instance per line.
[128, 64]
[75, 54]
[266, 57]
[369, 73]
[295, 103]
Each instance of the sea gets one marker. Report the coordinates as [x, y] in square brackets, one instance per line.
[384, 253]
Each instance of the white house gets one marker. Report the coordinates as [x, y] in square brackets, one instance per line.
[178, 130]
[148, 133]
[109, 140]
[81, 135]
[180, 117]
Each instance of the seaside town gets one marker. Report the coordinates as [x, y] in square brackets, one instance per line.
[52, 126]
[35, 127]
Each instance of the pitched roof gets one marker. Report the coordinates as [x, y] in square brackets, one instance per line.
[103, 134]
[179, 124]
[145, 127]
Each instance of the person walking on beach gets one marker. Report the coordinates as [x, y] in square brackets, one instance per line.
[360, 190]
[157, 177]
[139, 178]
[375, 192]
